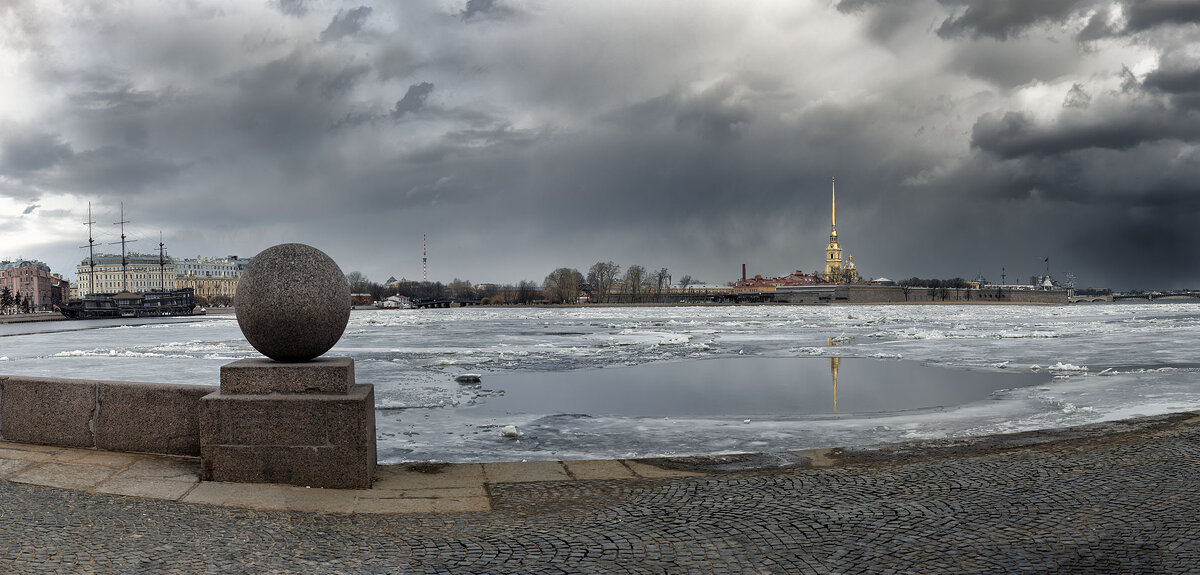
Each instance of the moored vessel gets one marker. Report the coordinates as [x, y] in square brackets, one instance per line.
[126, 303]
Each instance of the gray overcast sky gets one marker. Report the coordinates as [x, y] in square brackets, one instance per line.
[521, 136]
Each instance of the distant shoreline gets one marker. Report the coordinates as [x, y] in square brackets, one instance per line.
[32, 317]
[732, 304]
[41, 317]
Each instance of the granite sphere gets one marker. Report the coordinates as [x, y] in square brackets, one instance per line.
[292, 302]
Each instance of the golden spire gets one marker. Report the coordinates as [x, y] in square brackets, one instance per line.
[833, 212]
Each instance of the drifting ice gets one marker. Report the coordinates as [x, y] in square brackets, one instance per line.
[1060, 366]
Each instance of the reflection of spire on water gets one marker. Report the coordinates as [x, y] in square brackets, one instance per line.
[834, 362]
[833, 367]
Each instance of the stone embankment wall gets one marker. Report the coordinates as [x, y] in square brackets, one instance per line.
[107, 415]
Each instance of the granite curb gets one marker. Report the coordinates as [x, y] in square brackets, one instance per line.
[435, 487]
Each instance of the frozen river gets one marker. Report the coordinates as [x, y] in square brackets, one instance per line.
[627, 382]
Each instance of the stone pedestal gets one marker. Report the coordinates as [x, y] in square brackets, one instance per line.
[302, 424]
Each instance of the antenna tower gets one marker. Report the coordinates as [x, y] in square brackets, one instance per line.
[424, 260]
[91, 252]
[124, 260]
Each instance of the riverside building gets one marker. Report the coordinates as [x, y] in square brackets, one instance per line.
[32, 278]
[105, 273]
[210, 277]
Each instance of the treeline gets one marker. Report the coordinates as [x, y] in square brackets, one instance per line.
[606, 282]
[523, 292]
[14, 302]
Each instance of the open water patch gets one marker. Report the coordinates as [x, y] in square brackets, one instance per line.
[744, 386]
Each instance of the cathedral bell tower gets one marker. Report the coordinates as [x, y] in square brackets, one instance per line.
[833, 252]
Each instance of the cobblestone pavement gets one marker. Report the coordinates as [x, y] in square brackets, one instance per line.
[1124, 503]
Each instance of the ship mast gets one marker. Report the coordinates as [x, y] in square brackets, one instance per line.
[91, 252]
[162, 273]
[124, 260]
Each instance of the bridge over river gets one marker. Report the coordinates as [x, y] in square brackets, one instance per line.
[445, 302]
[1177, 295]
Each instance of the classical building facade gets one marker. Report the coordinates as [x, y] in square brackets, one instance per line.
[32, 279]
[141, 273]
[210, 277]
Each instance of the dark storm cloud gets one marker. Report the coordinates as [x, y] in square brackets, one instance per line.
[1098, 27]
[693, 136]
[1174, 81]
[23, 152]
[117, 170]
[1146, 14]
[714, 114]
[346, 23]
[1011, 64]
[413, 99]
[286, 105]
[1002, 20]
[1017, 134]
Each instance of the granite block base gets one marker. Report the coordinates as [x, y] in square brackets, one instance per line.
[261, 375]
[307, 439]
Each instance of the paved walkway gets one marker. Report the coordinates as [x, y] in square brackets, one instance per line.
[1115, 498]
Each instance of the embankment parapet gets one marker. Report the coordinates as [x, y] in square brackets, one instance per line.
[108, 415]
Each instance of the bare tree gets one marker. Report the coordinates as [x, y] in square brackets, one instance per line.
[376, 291]
[526, 292]
[562, 285]
[487, 291]
[461, 289]
[358, 282]
[634, 276]
[602, 276]
[687, 280]
[662, 279]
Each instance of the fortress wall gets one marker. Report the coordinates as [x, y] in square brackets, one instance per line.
[895, 294]
[878, 294]
[109, 415]
[872, 294]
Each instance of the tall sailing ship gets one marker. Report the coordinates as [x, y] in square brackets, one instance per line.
[125, 303]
